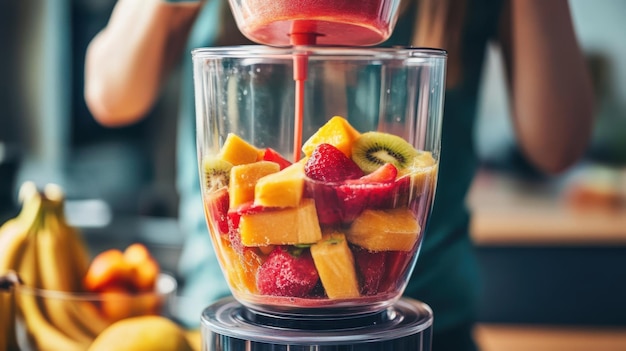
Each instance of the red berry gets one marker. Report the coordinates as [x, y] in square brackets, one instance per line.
[396, 264]
[217, 204]
[286, 273]
[329, 211]
[342, 202]
[329, 164]
[371, 268]
[273, 156]
[386, 173]
[375, 190]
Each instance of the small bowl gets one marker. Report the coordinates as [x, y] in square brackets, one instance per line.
[57, 320]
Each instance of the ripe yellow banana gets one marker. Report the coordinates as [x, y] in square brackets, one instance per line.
[78, 254]
[13, 241]
[13, 233]
[41, 333]
[57, 278]
[50, 257]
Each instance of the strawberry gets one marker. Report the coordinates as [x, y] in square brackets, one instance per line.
[375, 190]
[272, 155]
[396, 263]
[386, 173]
[217, 205]
[287, 273]
[329, 164]
[371, 268]
[327, 204]
[342, 202]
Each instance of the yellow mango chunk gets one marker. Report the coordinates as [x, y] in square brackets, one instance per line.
[385, 230]
[289, 226]
[337, 132]
[281, 189]
[242, 268]
[237, 151]
[243, 179]
[335, 264]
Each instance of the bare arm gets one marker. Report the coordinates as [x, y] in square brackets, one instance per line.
[128, 60]
[551, 88]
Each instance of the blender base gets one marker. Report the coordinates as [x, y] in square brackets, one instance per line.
[227, 325]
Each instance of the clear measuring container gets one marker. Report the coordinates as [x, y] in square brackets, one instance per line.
[325, 215]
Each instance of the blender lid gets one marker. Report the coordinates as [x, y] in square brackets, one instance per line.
[229, 318]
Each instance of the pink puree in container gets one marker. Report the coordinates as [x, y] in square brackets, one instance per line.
[324, 22]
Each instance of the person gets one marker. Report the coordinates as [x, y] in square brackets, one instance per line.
[552, 104]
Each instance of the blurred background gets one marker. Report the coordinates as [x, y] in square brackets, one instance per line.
[552, 249]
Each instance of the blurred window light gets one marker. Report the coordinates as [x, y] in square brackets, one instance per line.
[89, 213]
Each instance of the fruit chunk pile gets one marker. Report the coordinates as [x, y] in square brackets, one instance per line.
[126, 281]
[342, 223]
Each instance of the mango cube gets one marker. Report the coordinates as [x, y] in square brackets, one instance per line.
[281, 189]
[237, 151]
[289, 226]
[335, 264]
[243, 179]
[337, 132]
[242, 268]
[385, 230]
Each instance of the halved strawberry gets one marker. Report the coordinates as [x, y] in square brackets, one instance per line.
[217, 204]
[329, 210]
[375, 190]
[272, 155]
[371, 268]
[396, 264]
[287, 273]
[329, 164]
[342, 202]
[386, 173]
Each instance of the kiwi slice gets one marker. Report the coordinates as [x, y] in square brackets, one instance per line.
[374, 149]
[216, 173]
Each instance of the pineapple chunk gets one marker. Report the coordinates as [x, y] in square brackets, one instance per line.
[385, 230]
[240, 269]
[289, 226]
[418, 179]
[335, 264]
[337, 132]
[243, 179]
[282, 189]
[237, 151]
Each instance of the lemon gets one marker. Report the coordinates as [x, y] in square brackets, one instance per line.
[145, 333]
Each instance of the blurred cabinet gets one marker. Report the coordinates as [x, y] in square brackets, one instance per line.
[543, 262]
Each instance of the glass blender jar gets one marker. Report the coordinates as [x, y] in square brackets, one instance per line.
[318, 168]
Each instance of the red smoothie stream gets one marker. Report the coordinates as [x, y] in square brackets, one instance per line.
[300, 68]
[314, 22]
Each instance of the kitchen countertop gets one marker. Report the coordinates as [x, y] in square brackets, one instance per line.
[509, 211]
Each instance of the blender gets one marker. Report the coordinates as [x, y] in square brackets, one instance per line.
[318, 159]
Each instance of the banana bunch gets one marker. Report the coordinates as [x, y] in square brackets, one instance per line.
[51, 259]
